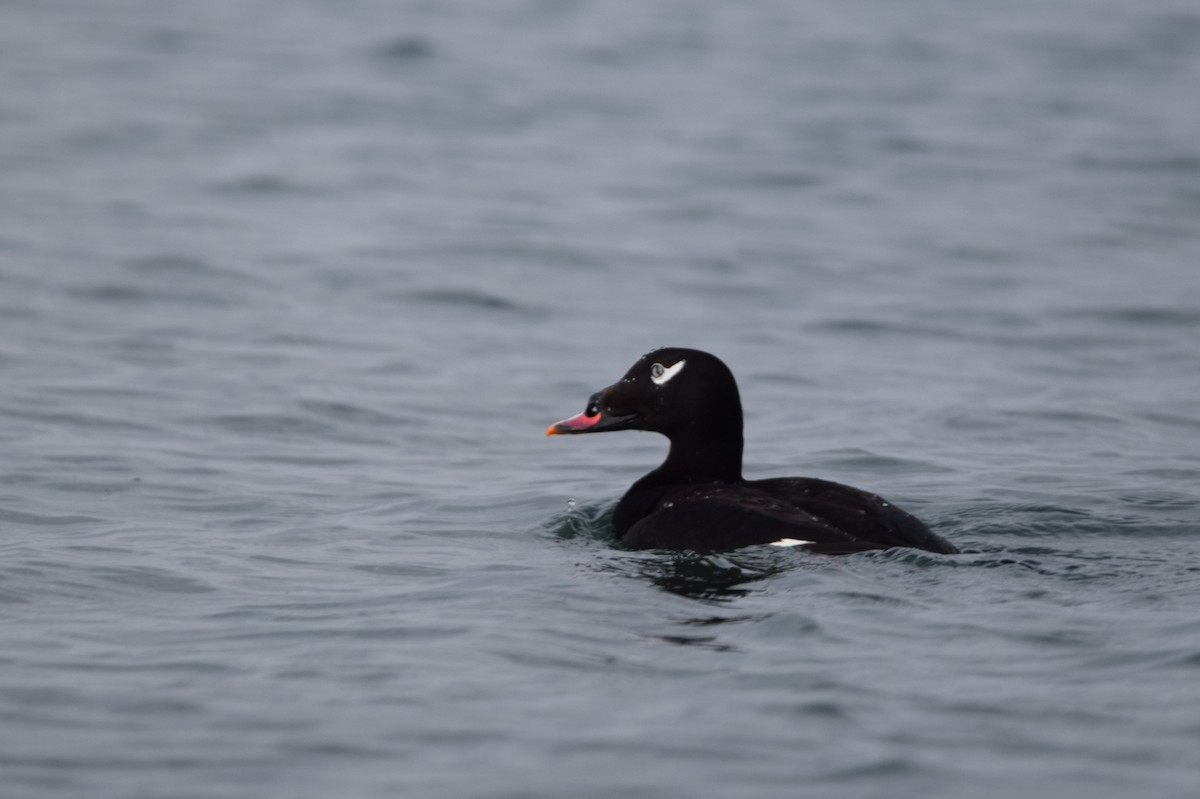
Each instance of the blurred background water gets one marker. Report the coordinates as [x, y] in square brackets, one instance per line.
[290, 290]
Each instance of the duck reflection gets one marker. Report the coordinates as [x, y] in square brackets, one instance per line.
[710, 577]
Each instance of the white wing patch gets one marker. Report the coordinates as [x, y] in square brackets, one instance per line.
[790, 542]
[661, 376]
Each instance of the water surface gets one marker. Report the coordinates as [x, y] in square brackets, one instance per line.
[289, 291]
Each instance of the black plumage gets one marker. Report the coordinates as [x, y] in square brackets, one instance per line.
[697, 498]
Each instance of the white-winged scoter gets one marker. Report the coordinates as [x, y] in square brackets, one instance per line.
[697, 499]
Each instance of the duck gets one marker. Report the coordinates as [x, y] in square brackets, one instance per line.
[699, 500]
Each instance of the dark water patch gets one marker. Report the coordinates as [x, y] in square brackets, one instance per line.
[310, 610]
[145, 666]
[1141, 316]
[1164, 225]
[987, 318]
[744, 291]
[982, 254]
[80, 421]
[1178, 418]
[326, 462]
[100, 549]
[169, 277]
[870, 599]
[874, 769]
[10, 596]
[148, 349]
[1169, 474]
[468, 299]
[401, 570]
[339, 632]
[989, 519]
[269, 425]
[337, 750]
[158, 707]
[857, 460]
[1064, 420]
[1158, 500]
[394, 504]
[1065, 565]
[119, 393]
[782, 378]
[101, 462]
[712, 621]
[114, 138]
[151, 579]
[170, 41]
[404, 49]
[875, 326]
[143, 764]
[346, 412]
[1093, 56]
[1175, 164]
[224, 506]
[525, 251]
[133, 295]
[783, 180]
[824, 709]
[263, 522]
[40, 696]
[708, 642]
[16, 313]
[902, 144]
[98, 487]
[47, 520]
[279, 560]
[268, 184]
[1175, 33]
[181, 266]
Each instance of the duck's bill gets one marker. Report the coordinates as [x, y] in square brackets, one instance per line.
[590, 424]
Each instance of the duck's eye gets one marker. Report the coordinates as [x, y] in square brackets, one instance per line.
[659, 375]
[593, 409]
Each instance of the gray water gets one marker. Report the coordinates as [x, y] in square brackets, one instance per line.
[290, 290]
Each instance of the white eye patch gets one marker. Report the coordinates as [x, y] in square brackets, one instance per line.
[660, 375]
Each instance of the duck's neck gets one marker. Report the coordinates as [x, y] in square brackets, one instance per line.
[715, 456]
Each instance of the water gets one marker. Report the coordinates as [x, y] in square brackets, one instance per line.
[289, 291]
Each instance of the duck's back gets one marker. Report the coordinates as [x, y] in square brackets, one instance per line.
[860, 514]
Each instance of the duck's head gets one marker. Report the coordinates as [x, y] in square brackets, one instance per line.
[678, 392]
